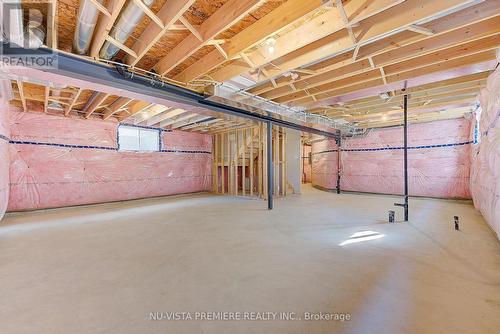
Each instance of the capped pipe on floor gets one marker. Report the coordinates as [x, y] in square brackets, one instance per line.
[86, 21]
[129, 18]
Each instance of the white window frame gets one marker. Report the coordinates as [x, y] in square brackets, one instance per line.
[136, 132]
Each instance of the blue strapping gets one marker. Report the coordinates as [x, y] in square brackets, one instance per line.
[396, 147]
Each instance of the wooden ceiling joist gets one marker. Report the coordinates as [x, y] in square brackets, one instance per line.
[134, 109]
[269, 25]
[118, 104]
[168, 114]
[230, 13]
[413, 73]
[96, 102]
[104, 25]
[149, 13]
[169, 14]
[370, 29]
[455, 28]
[180, 118]
[444, 56]
[311, 54]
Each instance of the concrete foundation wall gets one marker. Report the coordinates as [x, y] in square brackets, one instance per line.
[439, 160]
[57, 161]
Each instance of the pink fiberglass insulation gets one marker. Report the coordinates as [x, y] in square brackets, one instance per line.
[324, 163]
[58, 161]
[4, 157]
[485, 169]
[374, 162]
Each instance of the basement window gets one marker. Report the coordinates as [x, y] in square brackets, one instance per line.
[132, 138]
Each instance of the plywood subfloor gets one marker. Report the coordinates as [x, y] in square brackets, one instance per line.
[104, 268]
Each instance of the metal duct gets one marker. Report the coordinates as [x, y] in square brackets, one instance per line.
[13, 27]
[35, 34]
[126, 24]
[86, 21]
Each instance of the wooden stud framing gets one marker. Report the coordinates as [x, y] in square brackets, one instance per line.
[46, 101]
[21, 94]
[74, 98]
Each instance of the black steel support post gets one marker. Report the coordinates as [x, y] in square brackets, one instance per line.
[405, 157]
[270, 165]
[338, 164]
[405, 99]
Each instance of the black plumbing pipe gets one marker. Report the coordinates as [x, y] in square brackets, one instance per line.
[270, 165]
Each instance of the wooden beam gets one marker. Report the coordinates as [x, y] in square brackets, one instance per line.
[121, 46]
[420, 30]
[96, 102]
[200, 125]
[46, 101]
[371, 29]
[74, 98]
[177, 120]
[149, 13]
[52, 25]
[271, 24]
[165, 115]
[419, 52]
[230, 13]
[221, 51]
[405, 75]
[190, 27]
[134, 109]
[104, 26]
[304, 35]
[116, 106]
[344, 17]
[169, 14]
[101, 8]
[21, 94]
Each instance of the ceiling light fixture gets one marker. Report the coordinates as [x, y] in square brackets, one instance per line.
[270, 44]
[384, 96]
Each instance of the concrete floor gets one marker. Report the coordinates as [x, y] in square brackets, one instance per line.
[104, 268]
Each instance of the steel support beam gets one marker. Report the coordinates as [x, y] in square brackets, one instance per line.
[80, 68]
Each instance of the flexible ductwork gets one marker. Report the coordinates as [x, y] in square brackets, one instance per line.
[130, 17]
[87, 18]
[35, 31]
